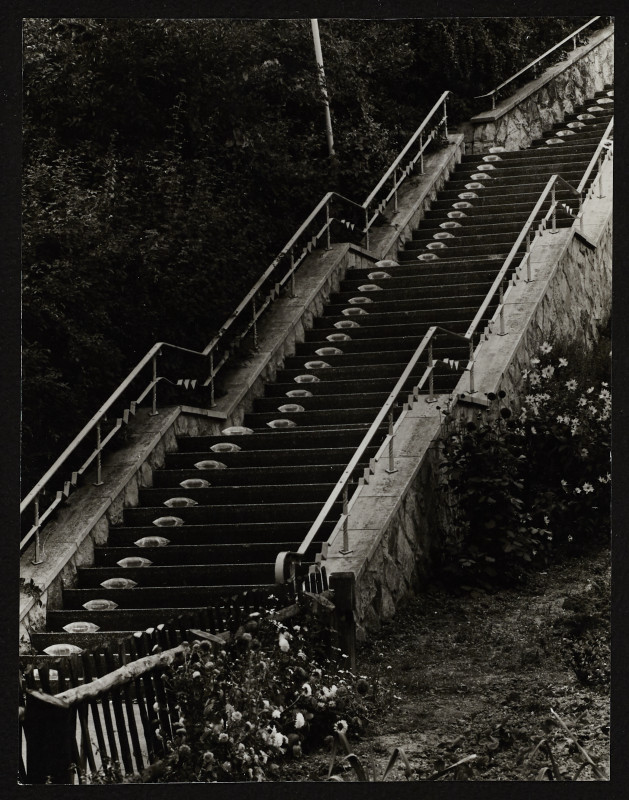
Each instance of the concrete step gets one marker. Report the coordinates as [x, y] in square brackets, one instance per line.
[180, 575]
[436, 316]
[262, 458]
[242, 512]
[272, 440]
[226, 533]
[415, 304]
[139, 618]
[366, 330]
[222, 495]
[197, 554]
[443, 383]
[508, 171]
[530, 188]
[417, 289]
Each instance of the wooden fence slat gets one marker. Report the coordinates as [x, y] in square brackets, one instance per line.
[104, 701]
[121, 726]
[128, 701]
[60, 666]
[85, 751]
[87, 659]
[144, 704]
[44, 679]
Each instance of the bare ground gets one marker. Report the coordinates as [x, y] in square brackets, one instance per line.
[477, 674]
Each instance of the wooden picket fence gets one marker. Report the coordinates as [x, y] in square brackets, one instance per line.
[96, 711]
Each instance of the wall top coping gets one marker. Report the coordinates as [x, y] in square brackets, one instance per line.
[534, 86]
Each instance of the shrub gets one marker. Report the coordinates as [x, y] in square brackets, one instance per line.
[246, 708]
[521, 484]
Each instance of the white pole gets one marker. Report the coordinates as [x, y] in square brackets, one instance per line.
[324, 91]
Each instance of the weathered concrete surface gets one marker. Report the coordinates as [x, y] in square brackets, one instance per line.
[394, 519]
[542, 103]
[84, 520]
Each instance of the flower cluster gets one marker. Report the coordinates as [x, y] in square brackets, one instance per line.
[246, 708]
[519, 484]
[566, 423]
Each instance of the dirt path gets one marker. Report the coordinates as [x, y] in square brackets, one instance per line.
[478, 674]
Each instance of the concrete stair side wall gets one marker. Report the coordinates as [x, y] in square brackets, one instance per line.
[395, 518]
[542, 103]
[84, 519]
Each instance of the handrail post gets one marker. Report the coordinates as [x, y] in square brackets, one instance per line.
[38, 551]
[472, 389]
[502, 308]
[493, 100]
[600, 178]
[99, 464]
[292, 272]
[255, 325]
[345, 551]
[421, 153]
[431, 385]
[212, 389]
[395, 190]
[445, 118]
[154, 412]
[391, 468]
[367, 228]
[528, 256]
[328, 246]
[553, 204]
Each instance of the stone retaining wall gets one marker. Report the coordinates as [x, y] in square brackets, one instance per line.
[542, 103]
[395, 519]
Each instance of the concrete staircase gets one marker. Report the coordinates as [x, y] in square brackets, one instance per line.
[227, 504]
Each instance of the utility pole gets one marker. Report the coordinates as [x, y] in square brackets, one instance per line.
[324, 91]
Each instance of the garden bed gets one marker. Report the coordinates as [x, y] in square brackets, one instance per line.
[477, 673]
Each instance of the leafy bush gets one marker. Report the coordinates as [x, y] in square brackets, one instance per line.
[166, 162]
[521, 485]
[246, 708]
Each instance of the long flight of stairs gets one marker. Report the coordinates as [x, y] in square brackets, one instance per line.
[227, 504]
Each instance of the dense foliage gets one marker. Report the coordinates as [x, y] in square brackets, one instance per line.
[524, 483]
[248, 708]
[166, 162]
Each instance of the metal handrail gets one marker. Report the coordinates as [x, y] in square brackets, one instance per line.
[285, 561]
[597, 153]
[441, 101]
[572, 36]
[210, 350]
[514, 249]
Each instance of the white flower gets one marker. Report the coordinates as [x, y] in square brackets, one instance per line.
[571, 385]
[548, 371]
[545, 348]
[236, 716]
[563, 362]
[535, 361]
[577, 490]
[299, 720]
[307, 689]
[534, 379]
[276, 714]
[340, 726]
[283, 642]
[584, 452]
[587, 488]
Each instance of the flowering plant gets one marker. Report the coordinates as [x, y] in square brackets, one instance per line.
[521, 483]
[248, 706]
